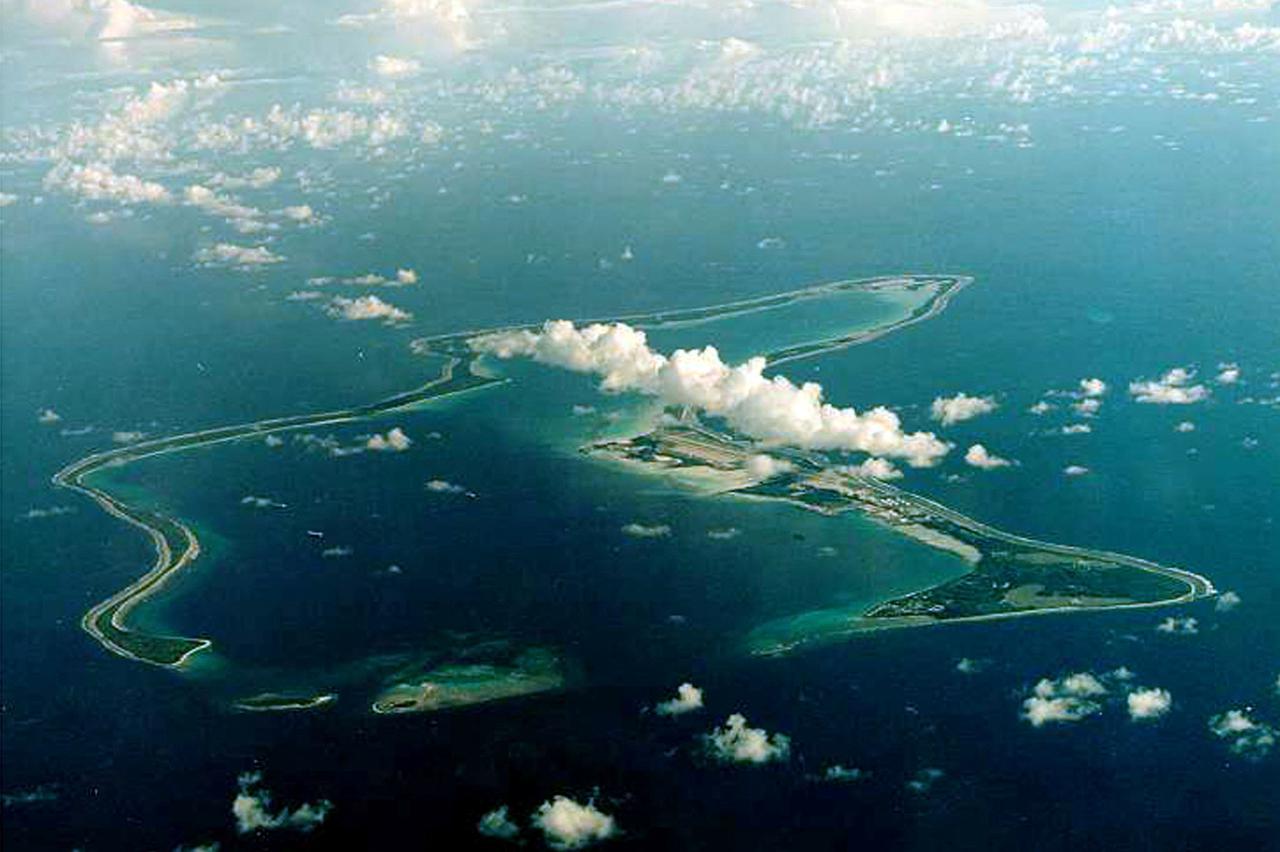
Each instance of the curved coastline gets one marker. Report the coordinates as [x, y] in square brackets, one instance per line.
[177, 546]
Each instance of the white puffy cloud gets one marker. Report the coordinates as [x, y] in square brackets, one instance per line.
[99, 182]
[394, 441]
[1068, 699]
[766, 408]
[736, 743]
[7, 198]
[1227, 601]
[949, 410]
[688, 698]
[978, 456]
[242, 217]
[367, 307]
[1086, 407]
[48, 416]
[1185, 426]
[1245, 735]
[568, 824]
[1228, 374]
[442, 486]
[497, 823]
[638, 530]
[1077, 429]
[1075, 470]
[394, 66]
[1148, 703]
[1041, 407]
[764, 466]
[1092, 387]
[241, 257]
[876, 468]
[726, 534]
[1179, 626]
[252, 809]
[1173, 388]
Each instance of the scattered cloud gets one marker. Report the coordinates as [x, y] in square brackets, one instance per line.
[978, 456]
[99, 182]
[261, 502]
[1185, 426]
[736, 743]
[394, 67]
[48, 416]
[1228, 374]
[876, 468]
[1173, 388]
[1068, 699]
[441, 486]
[688, 699]
[924, 780]
[772, 409]
[497, 823]
[368, 307]
[1093, 387]
[1245, 736]
[1041, 407]
[394, 441]
[37, 514]
[1179, 626]
[252, 809]
[638, 530]
[1077, 429]
[764, 466]
[1148, 703]
[127, 436]
[240, 257]
[725, 534]
[843, 774]
[966, 665]
[567, 824]
[949, 410]
[1075, 470]
[1227, 601]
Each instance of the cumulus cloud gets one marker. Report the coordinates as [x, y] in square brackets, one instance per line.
[1244, 735]
[1185, 426]
[394, 66]
[770, 409]
[725, 534]
[99, 182]
[876, 468]
[1075, 470]
[1092, 387]
[497, 823]
[736, 743]
[978, 456]
[1148, 703]
[949, 410]
[240, 257]
[843, 774]
[1041, 407]
[638, 530]
[1067, 699]
[1179, 626]
[48, 416]
[1173, 388]
[567, 824]
[368, 307]
[394, 441]
[252, 809]
[763, 466]
[688, 699]
[1077, 429]
[1228, 374]
[1227, 601]
[441, 486]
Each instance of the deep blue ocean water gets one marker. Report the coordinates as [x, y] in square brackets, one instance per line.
[1088, 262]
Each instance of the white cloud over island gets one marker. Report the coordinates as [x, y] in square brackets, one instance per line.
[765, 408]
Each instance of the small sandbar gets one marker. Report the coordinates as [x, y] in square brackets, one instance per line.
[274, 702]
[464, 684]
